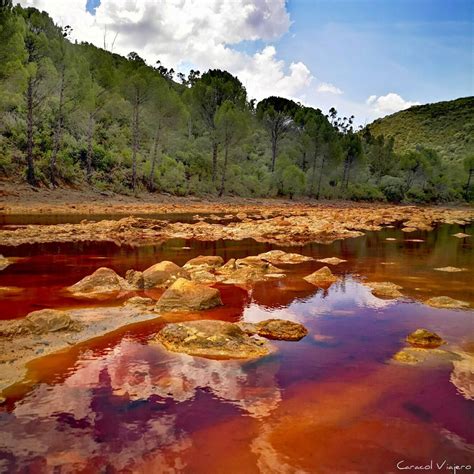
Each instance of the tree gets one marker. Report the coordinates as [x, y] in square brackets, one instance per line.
[469, 167]
[353, 152]
[210, 92]
[231, 126]
[137, 89]
[277, 114]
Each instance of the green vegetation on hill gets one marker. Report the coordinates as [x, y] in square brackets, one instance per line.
[445, 127]
[75, 114]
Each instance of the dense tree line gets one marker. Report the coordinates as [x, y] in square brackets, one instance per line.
[76, 114]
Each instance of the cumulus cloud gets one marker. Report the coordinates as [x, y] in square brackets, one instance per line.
[389, 104]
[327, 87]
[200, 34]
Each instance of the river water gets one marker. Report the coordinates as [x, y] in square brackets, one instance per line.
[333, 402]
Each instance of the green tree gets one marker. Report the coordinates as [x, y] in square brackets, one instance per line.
[231, 127]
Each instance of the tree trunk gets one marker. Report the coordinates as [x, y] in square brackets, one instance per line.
[274, 151]
[303, 161]
[57, 133]
[30, 174]
[135, 131]
[468, 184]
[151, 180]
[345, 176]
[226, 155]
[90, 138]
[323, 160]
[313, 172]
[214, 161]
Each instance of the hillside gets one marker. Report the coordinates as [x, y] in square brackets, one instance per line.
[446, 127]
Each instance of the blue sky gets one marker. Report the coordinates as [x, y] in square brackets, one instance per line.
[365, 57]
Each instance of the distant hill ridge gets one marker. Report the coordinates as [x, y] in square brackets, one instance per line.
[447, 127]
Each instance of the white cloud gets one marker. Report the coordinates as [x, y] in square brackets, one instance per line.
[327, 87]
[192, 33]
[388, 104]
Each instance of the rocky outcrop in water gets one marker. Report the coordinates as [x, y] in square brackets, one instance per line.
[385, 289]
[446, 302]
[102, 281]
[4, 262]
[323, 276]
[425, 339]
[281, 329]
[212, 339]
[185, 295]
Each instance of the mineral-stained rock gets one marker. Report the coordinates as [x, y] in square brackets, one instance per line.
[280, 257]
[409, 229]
[161, 274]
[385, 289]
[206, 261]
[228, 267]
[4, 262]
[140, 301]
[212, 339]
[48, 320]
[461, 235]
[185, 295]
[281, 329]
[425, 339]
[332, 260]
[462, 375]
[450, 269]
[321, 276]
[135, 278]
[446, 302]
[204, 277]
[417, 355]
[103, 280]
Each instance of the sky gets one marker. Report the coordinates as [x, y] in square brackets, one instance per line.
[367, 58]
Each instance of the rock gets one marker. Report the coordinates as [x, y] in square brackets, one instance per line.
[185, 295]
[385, 289]
[162, 274]
[228, 267]
[417, 355]
[446, 302]
[280, 257]
[391, 239]
[4, 262]
[321, 276]
[253, 261]
[425, 339]
[103, 280]
[409, 229]
[135, 278]
[462, 376]
[281, 329]
[332, 260]
[450, 269]
[140, 301]
[212, 339]
[241, 215]
[48, 320]
[204, 277]
[248, 328]
[461, 235]
[207, 261]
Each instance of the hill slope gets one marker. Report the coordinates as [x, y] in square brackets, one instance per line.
[447, 127]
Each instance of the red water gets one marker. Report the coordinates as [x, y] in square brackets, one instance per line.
[330, 403]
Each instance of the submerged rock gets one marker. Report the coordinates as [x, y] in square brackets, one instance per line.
[385, 289]
[450, 269]
[45, 321]
[281, 329]
[103, 280]
[332, 260]
[280, 257]
[4, 262]
[418, 355]
[185, 295]
[446, 302]
[425, 339]
[322, 276]
[212, 339]
[161, 274]
[461, 235]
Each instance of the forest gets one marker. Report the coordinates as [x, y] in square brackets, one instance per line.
[73, 114]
